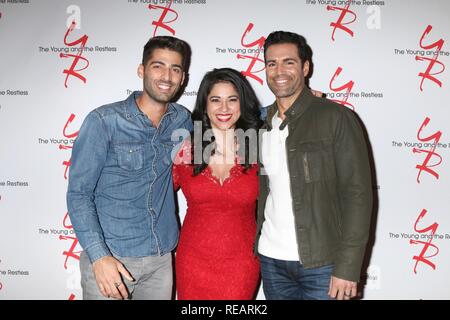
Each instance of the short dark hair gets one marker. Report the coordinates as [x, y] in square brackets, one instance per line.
[280, 37]
[250, 113]
[167, 42]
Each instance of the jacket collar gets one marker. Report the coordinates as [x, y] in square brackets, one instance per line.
[300, 105]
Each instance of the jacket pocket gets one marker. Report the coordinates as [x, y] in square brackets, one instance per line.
[130, 156]
[306, 167]
[317, 160]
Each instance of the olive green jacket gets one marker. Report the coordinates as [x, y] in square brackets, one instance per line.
[330, 180]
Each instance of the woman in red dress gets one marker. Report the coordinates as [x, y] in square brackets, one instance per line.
[215, 258]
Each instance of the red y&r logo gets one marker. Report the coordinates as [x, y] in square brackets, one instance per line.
[76, 58]
[161, 23]
[71, 253]
[348, 87]
[430, 153]
[257, 45]
[339, 24]
[426, 245]
[69, 135]
[432, 61]
[64, 147]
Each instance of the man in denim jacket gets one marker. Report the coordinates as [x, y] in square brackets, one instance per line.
[120, 195]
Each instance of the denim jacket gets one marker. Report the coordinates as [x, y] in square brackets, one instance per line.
[120, 195]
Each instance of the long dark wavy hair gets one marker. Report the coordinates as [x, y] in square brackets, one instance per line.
[249, 118]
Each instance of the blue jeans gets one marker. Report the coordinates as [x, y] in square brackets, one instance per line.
[288, 280]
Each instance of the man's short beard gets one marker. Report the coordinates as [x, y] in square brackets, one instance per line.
[159, 98]
[285, 93]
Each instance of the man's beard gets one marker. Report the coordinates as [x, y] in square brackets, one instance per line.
[160, 97]
[285, 92]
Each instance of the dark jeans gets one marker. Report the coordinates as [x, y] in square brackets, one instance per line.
[288, 280]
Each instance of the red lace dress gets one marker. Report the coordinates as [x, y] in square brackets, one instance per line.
[214, 258]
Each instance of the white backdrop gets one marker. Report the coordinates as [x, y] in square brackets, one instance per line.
[384, 59]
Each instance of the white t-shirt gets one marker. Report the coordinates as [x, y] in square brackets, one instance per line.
[278, 239]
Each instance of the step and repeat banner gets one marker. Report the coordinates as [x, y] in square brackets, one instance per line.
[386, 60]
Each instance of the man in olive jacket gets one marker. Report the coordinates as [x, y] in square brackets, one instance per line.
[315, 200]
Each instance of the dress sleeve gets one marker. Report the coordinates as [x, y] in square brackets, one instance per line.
[182, 158]
[176, 176]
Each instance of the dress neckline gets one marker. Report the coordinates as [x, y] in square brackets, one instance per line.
[234, 171]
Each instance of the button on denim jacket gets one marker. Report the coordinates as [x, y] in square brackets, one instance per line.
[120, 195]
